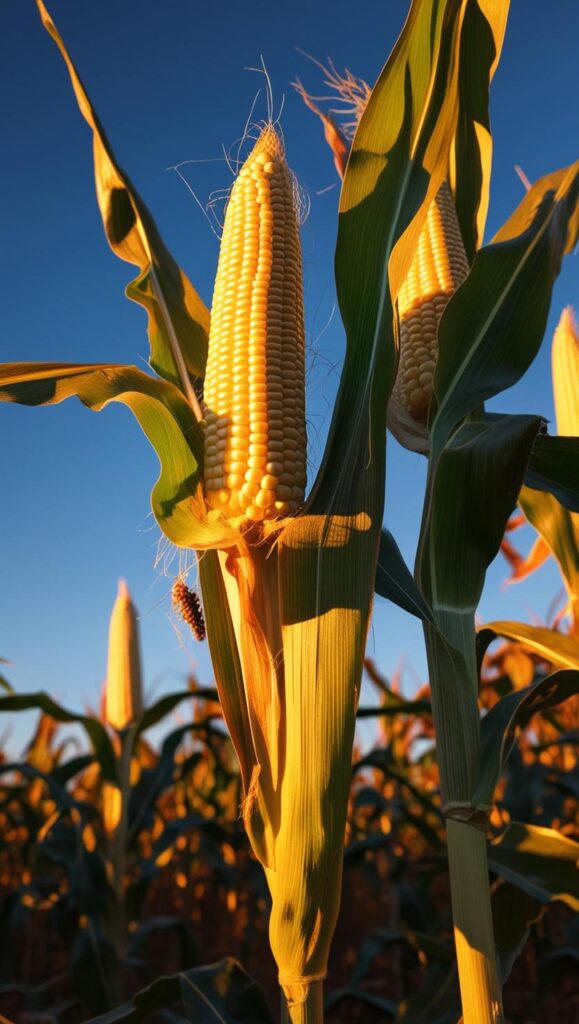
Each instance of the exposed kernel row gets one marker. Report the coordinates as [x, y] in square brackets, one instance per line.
[438, 268]
[255, 436]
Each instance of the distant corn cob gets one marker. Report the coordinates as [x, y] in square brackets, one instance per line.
[123, 691]
[187, 603]
[254, 396]
[439, 266]
[565, 368]
[112, 806]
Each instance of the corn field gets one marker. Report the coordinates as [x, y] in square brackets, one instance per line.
[301, 834]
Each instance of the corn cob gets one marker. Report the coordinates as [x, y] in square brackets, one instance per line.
[112, 808]
[254, 395]
[565, 368]
[123, 691]
[439, 266]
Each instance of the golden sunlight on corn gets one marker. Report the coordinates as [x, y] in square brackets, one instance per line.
[123, 690]
[565, 368]
[254, 397]
[438, 268]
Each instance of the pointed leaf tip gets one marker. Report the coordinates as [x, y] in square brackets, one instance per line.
[178, 320]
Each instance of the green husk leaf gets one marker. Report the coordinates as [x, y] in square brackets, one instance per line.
[174, 308]
[480, 49]
[226, 663]
[505, 302]
[164, 416]
[500, 726]
[538, 860]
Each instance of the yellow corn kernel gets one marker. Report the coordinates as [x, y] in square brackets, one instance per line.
[254, 394]
[438, 268]
[565, 369]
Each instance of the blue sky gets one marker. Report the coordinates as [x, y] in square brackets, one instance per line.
[169, 84]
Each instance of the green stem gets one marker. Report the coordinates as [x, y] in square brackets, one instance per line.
[311, 1011]
[473, 926]
[454, 682]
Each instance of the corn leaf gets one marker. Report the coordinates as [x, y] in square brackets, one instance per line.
[94, 960]
[559, 529]
[430, 1004]
[525, 566]
[219, 993]
[63, 773]
[480, 49]
[154, 780]
[510, 714]
[174, 308]
[556, 648]
[5, 685]
[554, 467]
[63, 800]
[482, 467]
[164, 416]
[492, 327]
[163, 707]
[94, 729]
[398, 707]
[222, 994]
[538, 860]
[398, 161]
[513, 913]
[395, 581]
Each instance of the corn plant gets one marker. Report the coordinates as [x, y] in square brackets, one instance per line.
[453, 355]
[97, 817]
[288, 584]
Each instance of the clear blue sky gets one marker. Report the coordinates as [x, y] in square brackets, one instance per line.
[169, 83]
